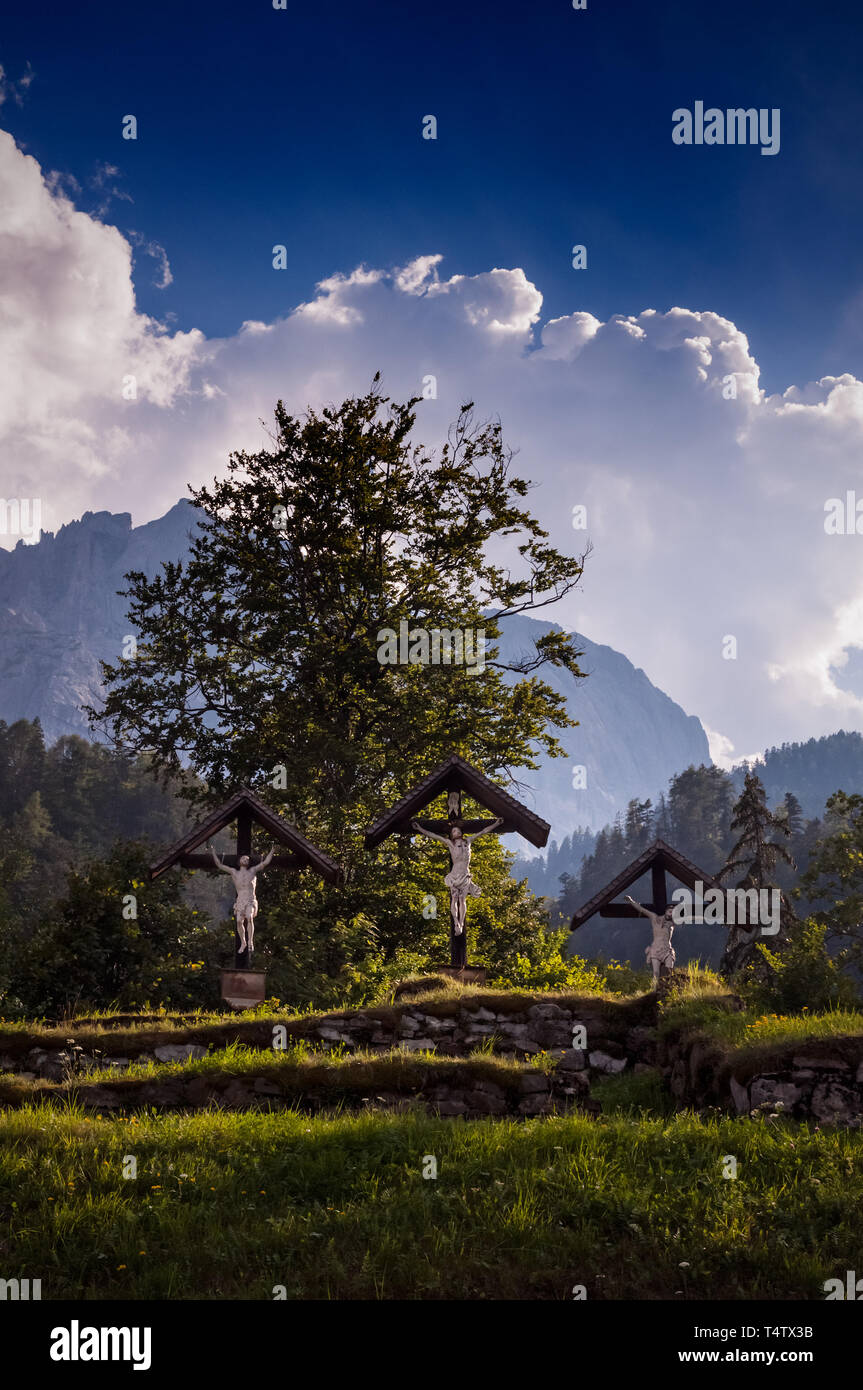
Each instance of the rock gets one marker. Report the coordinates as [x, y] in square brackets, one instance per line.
[162, 1093]
[533, 1081]
[179, 1052]
[328, 1034]
[835, 1104]
[859, 1077]
[609, 1046]
[488, 1100]
[551, 1034]
[198, 1090]
[53, 1068]
[100, 1098]
[438, 1025]
[572, 1059]
[514, 1030]
[677, 1084]
[641, 1068]
[26, 1076]
[527, 1046]
[696, 1057]
[822, 1063]
[602, 1061]
[740, 1096]
[535, 1105]
[451, 1107]
[571, 1083]
[417, 1045]
[237, 1093]
[484, 1015]
[546, 1011]
[642, 1043]
[265, 1087]
[408, 1025]
[767, 1090]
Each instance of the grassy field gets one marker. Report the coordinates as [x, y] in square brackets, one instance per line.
[632, 1205]
[224, 1204]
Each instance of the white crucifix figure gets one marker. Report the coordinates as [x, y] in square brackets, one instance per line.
[459, 882]
[660, 951]
[246, 905]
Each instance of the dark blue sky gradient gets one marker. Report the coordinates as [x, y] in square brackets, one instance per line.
[303, 126]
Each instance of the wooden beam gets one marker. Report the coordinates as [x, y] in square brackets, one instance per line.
[467, 827]
[203, 861]
[657, 886]
[624, 910]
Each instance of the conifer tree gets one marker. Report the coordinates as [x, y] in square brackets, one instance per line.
[756, 854]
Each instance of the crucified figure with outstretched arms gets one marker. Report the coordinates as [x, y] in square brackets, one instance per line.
[246, 905]
[660, 952]
[459, 882]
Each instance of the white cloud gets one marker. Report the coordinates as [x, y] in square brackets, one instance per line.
[706, 513]
[164, 277]
[69, 335]
[14, 89]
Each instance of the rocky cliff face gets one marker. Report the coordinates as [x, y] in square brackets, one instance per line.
[631, 739]
[60, 614]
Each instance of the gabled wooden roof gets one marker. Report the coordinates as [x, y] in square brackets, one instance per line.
[454, 774]
[659, 853]
[305, 853]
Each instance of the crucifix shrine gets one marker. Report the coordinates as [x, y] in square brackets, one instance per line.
[244, 986]
[658, 859]
[454, 777]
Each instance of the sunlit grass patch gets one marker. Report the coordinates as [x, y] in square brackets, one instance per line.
[233, 1205]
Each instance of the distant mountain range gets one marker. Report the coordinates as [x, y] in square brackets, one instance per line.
[60, 615]
[630, 740]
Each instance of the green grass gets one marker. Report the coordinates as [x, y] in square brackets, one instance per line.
[300, 1071]
[231, 1205]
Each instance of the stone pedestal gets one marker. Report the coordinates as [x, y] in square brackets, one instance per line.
[243, 989]
[465, 974]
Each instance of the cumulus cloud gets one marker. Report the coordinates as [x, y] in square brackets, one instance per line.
[70, 337]
[705, 497]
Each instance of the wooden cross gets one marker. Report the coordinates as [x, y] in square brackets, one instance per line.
[247, 810]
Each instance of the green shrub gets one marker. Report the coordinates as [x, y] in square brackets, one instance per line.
[800, 976]
[547, 967]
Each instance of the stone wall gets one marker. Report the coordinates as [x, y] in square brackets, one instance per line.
[821, 1083]
[537, 1028]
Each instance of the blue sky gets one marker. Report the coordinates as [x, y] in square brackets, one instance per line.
[151, 261]
[302, 126]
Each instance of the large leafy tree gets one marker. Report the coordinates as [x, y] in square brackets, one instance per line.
[258, 655]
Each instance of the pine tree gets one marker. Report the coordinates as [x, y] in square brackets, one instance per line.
[794, 814]
[757, 856]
